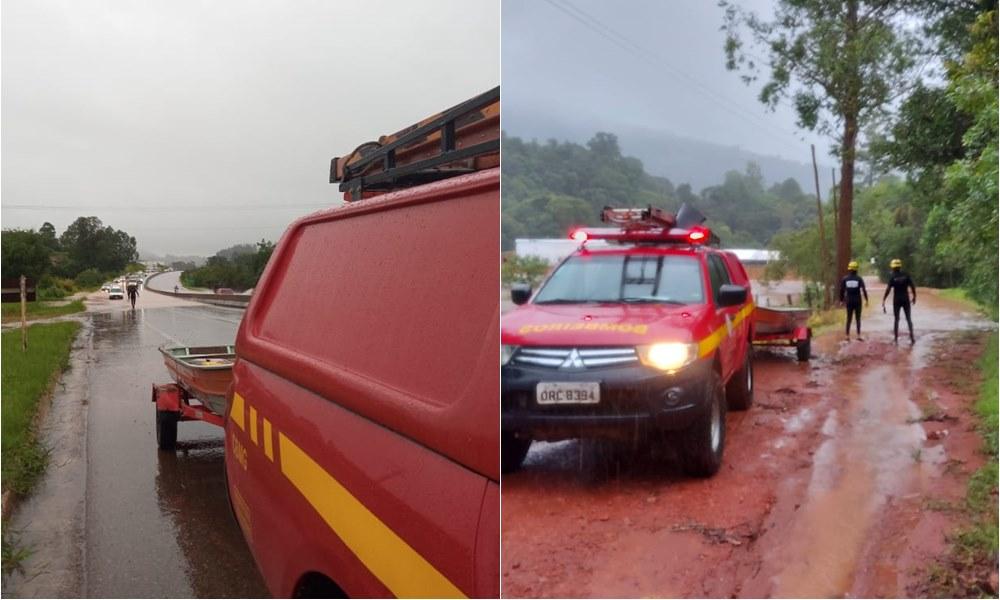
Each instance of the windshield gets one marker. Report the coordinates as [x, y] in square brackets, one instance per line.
[667, 279]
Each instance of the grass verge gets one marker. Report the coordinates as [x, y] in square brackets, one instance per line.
[959, 295]
[11, 311]
[25, 378]
[972, 559]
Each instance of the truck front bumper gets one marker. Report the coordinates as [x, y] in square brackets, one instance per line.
[634, 401]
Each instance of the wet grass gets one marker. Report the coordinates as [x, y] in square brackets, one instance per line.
[959, 295]
[11, 311]
[974, 548]
[13, 554]
[26, 378]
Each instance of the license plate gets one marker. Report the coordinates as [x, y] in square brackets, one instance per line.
[568, 393]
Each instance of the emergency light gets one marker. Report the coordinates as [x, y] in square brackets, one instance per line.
[650, 225]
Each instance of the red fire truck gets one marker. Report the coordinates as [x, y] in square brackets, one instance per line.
[362, 437]
[648, 333]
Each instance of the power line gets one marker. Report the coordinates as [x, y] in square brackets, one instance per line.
[623, 42]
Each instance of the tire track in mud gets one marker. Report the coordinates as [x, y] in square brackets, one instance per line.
[822, 485]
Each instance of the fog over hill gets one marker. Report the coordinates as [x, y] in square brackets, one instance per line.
[679, 159]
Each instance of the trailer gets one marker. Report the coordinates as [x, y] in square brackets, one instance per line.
[783, 327]
[202, 377]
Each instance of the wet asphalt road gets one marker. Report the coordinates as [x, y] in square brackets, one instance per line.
[158, 524]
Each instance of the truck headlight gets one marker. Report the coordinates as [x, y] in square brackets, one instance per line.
[506, 352]
[667, 356]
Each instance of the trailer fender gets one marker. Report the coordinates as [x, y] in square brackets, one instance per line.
[168, 397]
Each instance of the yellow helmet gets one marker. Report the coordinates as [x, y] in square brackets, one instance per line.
[896, 264]
[852, 266]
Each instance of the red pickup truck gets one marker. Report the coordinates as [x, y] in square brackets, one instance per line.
[362, 440]
[650, 332]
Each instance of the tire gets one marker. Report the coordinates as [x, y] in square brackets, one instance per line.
[803, 349]
[512, 452]
[739, 392]
[702, 445]
[166, 429]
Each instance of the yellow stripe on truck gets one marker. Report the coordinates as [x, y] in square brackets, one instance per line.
[708, 345]
[399, 567]
[236, 411]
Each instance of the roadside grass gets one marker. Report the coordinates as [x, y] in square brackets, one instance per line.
[11, 311]
[822, 321]
[13, 554]
[25, 378]
[973, 555]
[959, 295]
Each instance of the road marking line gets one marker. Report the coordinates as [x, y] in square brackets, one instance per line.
[395, 563]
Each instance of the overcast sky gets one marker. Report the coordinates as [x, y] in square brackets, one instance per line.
[650, 63]
[198, 125]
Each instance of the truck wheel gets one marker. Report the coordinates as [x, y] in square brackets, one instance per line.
[739, 392]
[512, 452]
[803, 349]
[702, 444]
[166, 429]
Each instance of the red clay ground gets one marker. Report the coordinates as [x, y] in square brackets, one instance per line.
[833, 483]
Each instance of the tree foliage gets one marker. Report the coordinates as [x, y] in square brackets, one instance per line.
[550, 188]
[88, 243]
[238, 267]
[840, 62]
[24, 252]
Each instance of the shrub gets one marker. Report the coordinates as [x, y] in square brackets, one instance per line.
[90, 278]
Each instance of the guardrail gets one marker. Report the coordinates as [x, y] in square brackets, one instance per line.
[232, 300]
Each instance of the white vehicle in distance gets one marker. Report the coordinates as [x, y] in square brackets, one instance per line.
[115, 293]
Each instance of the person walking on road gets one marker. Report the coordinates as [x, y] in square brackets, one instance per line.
[852, 287]
[133, 292]
[900, 284]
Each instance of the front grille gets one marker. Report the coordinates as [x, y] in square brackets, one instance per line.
[575, 358]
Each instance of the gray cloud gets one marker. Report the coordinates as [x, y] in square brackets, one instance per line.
[197, 125]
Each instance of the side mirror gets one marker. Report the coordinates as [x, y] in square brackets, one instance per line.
[731, 295]
[520, 293]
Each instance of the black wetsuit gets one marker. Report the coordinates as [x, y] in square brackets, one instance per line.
[851, 289]
[900, 284]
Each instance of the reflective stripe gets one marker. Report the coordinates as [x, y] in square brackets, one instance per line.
[236, 411]
[268, 443]
[253, 424]
[398, 566]
[708, 345]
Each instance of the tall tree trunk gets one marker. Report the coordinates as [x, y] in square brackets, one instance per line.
[846, 203]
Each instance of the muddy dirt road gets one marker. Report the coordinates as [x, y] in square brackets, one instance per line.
[823, 491]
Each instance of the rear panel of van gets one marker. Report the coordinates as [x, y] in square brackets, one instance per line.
[363, 435]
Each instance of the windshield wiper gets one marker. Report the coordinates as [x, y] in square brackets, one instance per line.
[563, 301]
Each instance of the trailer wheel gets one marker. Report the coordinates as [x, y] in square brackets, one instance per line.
[166, 429]
[739, 392]
[702, 444]
[803, 349]
[512, 452]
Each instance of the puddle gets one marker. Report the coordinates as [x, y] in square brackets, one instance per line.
[870, 454]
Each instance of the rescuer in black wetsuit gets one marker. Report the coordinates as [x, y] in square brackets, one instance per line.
[851, 289]
[900, 284]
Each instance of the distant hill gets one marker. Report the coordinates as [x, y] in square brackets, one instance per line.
[679, 159]
[171, 258]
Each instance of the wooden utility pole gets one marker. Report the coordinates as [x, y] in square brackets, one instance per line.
[24, 314]
[822, 234]
[836, 223]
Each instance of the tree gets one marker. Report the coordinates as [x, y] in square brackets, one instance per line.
[89, 244]
[24, 252]
[48, 233]
[841, 62]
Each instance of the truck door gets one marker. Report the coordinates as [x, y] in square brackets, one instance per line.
[724, 316]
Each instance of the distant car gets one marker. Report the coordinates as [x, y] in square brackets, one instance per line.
[105, 287]
[224, 291]
[115, 293]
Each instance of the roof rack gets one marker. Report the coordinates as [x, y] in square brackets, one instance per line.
[462, 139]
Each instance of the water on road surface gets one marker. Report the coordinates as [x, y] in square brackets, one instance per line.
[158, 524]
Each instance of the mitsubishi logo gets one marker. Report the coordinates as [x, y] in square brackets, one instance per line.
[573, 361]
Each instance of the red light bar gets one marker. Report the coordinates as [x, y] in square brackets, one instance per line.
[695, 235]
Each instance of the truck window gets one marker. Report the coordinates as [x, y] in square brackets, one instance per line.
[718, 274]
[620, 278]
